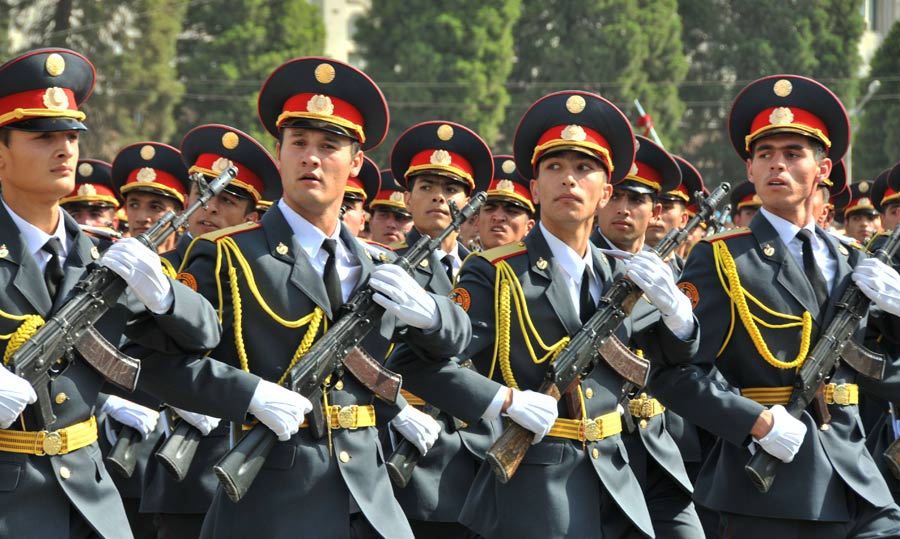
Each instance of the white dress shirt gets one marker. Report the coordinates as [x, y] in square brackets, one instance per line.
[787, 231]
[35, 238]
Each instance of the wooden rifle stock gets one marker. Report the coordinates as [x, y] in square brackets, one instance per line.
[596, 340]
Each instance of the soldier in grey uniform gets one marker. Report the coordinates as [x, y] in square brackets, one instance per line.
[280, 282]
[62, 489]
[653, 453]
[179, 507]
[525, 300]
[762, 295]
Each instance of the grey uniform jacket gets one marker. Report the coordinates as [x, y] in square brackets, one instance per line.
[35, 497]
[814, 485]
[559, 479]
[305, 482]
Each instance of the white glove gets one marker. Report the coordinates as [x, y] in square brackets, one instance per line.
[403, 297]
[15, 395]
[786, 436]
[279, 408]
[534, 411]
[418, 427]
[140, 418]
[880, 283]
[648, 271]
[142, 270]
[204, 423]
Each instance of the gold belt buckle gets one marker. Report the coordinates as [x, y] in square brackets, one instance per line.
[592, 430]
[52, 443]
[346, 418]
[646, 409]
[841, 394]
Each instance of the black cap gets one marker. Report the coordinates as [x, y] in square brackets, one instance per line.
[446, 149]
[860, 199]
[210, 149]
[654, 171]
[743, 195]
[364, 186]
[789, 104]
[886, 190]
[510, 186]
[93, 185]
[41, 90]
[691, 183]
[151, 167]
[577, 121]
[322, 93]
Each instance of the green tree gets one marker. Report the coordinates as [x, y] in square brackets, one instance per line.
[440, 61]
[228, 49]
[875, 145]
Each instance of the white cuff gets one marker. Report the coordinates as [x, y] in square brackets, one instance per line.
[681, 322]
[493, 410]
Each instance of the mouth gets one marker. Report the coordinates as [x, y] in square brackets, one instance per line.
[438, 211]
[622, 225]
[310, 177]
[208, 224]
[498, 230]
[62, 170]
[569, 198]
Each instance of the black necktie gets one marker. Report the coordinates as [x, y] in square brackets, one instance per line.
[586, 305]
[332, 280]
[447, 262]
[813, 273]
[53, 273]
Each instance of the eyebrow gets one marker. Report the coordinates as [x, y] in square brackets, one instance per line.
[769, 146]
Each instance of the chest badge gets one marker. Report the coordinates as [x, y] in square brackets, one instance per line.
[95, 253]
[768, 249]
[541, 263]
[281, 249]
[843, 250]
[4, 252]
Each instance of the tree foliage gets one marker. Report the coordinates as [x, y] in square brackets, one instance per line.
[228, 49]
[437, 61]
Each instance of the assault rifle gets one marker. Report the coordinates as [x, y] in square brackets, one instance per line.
[836, 343]
[335, 350]
[595, 340]
[72, 325]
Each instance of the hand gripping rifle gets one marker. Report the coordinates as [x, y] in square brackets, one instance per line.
[595, 340]
[335, 350]
[836, 343]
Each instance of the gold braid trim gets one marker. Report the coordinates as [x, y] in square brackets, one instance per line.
[29, 326]
[314, 320]
[739, 296]
[507, 284]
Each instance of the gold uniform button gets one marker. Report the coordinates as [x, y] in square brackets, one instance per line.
[339, 385]
[825, 426]
[61, 398]
[64, 472]
[643, 423]
[344, 456]
[588, 393]
[595, 453]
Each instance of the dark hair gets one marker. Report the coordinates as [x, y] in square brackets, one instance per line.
[4, 135]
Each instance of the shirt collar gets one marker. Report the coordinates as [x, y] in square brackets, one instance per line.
[787, 230]
[35, 238]
[309, 237]
[571, 262]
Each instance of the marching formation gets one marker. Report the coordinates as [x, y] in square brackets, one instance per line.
[575, 340]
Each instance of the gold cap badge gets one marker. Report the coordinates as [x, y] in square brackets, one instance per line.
[148, 152]
[146, 174]
[573, 132]
[85, 169]
[445, 132]
[86, 189]
[783, 88]
[508, 166]
[56, 99]
[324, 73]
[55, 65]
[396, 196]
[781, 116]
[220, 164]
[575, 104]
[505, 185]
[230, 140]
[440, 157]
[320, 104]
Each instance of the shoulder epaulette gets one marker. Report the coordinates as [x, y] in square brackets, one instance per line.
[381, 245]
[397, 246]
[230, 231]
[725, 234]
[503, 252]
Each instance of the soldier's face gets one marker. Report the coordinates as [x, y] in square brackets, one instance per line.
[222, 211]
[354, 216]
[314, 167]
[92, 215]
[389, 226]
[861, 226]
[501, 223]
[428, 202]
[672, 214]
[785, 172]
[624, 220]
[39, 166]
[891, 217]
[570, 186]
